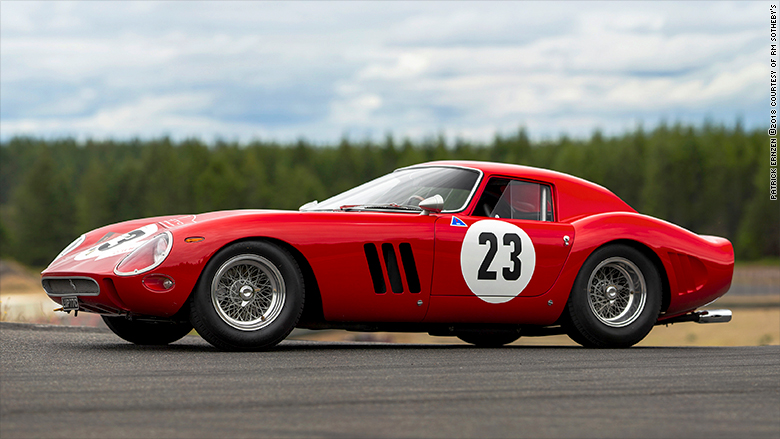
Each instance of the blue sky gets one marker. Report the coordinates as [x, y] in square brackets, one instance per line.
[321, 70]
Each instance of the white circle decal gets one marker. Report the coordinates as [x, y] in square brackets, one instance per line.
[497, 260]
[119, 245]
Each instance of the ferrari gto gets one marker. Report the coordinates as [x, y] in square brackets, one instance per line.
[485, 252]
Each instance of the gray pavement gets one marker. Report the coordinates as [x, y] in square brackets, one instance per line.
[89, 383]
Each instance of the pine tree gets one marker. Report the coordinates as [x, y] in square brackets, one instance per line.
[45, 212]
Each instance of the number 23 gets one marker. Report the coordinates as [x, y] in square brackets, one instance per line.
[491, 240]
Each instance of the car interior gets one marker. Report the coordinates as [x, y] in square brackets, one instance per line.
[515, 199]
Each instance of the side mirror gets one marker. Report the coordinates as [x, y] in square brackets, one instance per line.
[433, 204]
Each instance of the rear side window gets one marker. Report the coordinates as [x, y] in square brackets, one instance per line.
[515, 199]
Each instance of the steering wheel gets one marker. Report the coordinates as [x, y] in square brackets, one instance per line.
[414, 200]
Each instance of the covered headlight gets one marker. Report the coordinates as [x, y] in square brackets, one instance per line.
[146, 257]
[72, 246]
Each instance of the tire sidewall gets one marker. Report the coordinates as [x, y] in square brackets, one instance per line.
[592, 332]
[488, 339]
[216, 331]
[147, 333]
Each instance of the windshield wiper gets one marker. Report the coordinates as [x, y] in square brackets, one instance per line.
[386, 206]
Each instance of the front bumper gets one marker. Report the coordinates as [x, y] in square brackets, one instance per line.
[96, 295]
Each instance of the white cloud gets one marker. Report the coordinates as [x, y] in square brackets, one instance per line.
[163, 113]
[402, 66]
[355, 110]
[414, 68]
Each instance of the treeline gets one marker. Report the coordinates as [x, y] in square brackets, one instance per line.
[712, 180]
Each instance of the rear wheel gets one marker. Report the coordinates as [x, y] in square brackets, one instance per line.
[488, 339]
[147, 333]
[615, 300]
[250, 297]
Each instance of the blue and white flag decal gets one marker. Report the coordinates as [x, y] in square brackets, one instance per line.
[457, 222]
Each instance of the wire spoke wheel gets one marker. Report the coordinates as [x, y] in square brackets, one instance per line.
[615, 300]
[248, 292]
[249, 297]
[617, 292]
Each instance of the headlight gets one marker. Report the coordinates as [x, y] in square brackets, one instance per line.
[72, 246]
[146, 257]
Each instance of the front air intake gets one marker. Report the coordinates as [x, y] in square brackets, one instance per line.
[70, 286]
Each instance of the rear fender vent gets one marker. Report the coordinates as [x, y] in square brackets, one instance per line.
[690, 272]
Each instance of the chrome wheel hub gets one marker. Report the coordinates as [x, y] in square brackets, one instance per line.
[611, 293]
[246, 293]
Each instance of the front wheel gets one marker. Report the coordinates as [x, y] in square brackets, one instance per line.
[615, 300]
[147, 332]
[249, 297]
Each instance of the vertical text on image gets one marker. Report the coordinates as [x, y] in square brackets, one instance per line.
[772, 102]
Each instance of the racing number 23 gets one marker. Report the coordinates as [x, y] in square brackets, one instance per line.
[509, 273]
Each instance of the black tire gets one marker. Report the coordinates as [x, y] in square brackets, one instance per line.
[147, 333]
[249, 297]
[615, 300]
[488, 339]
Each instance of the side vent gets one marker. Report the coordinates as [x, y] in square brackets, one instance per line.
[393, 273]
[410, 268]
[691, 274]
[375, 268]
[392, 268]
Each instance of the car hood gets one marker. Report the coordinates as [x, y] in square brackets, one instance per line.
[103, 248]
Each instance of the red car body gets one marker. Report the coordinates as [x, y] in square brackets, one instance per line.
[332, 248]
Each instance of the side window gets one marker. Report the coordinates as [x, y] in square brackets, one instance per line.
[514, 199]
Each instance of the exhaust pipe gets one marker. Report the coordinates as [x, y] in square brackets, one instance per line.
[701, 316]
[714, 316]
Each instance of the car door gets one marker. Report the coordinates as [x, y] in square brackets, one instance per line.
[371, 267]
[510, 247]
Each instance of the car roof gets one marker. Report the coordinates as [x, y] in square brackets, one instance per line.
[576, 197]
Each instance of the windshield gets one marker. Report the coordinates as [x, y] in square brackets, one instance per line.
[405, 188]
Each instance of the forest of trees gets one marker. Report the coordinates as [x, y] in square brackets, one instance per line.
[710, 179]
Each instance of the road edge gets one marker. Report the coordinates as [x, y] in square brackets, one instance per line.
[15, 326]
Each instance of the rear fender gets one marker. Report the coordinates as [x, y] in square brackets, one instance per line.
[694, 269]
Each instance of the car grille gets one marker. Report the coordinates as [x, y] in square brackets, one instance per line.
[70, 286]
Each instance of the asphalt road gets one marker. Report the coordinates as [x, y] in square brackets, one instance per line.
[70, 383]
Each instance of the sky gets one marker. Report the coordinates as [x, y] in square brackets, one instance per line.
[325, 70]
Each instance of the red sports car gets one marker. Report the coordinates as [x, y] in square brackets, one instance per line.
[486, 252]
